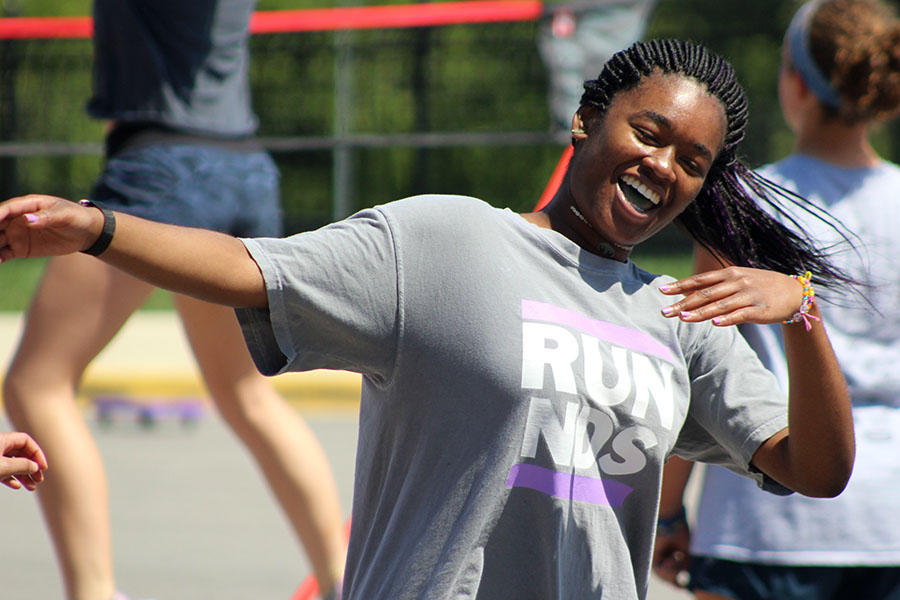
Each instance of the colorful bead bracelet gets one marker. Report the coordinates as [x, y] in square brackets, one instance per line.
[809, 296]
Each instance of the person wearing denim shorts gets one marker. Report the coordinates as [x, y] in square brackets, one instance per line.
[193, 184]
[171, 78]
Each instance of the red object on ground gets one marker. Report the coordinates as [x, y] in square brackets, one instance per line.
[310, 587]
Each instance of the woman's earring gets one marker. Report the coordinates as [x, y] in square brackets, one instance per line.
[577, 131]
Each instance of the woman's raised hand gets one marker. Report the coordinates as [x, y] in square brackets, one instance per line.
[735, 295]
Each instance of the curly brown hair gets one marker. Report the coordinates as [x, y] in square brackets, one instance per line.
[856, 44]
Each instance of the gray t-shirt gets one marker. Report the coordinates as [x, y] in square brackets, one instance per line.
[520, 397]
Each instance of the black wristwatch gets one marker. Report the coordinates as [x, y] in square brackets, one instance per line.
[106, 234]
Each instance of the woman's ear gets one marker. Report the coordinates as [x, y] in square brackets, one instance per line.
[795, 97]
[798, 86]
[794, 85]
[578, 132]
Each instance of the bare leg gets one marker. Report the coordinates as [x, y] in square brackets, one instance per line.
[284, 448]
[79, 306]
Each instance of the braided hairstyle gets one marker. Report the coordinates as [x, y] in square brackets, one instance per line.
[725, 218]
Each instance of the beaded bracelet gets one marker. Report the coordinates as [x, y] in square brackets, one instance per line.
[809, 296]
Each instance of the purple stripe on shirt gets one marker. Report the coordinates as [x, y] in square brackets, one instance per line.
[610, 332]
[568, 486]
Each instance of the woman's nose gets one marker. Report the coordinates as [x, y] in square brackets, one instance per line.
[661, 163]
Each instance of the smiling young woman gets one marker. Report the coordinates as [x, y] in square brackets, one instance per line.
[524, 385]
[687, 116]
[640, 164]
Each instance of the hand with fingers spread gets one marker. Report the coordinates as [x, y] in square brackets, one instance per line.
[22, 462]
[36, 225]
[735, 295]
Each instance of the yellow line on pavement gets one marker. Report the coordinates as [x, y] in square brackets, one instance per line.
[319, 390]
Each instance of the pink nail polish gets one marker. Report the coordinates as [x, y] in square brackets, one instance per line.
[664, 287]
[667, 310]
[685, 314]
[717, 320]
[31, 218]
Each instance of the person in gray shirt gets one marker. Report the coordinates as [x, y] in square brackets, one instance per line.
[523, 380]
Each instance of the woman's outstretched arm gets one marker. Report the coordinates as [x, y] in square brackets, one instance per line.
[207, 265]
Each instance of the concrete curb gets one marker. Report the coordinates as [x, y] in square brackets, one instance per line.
[150, 358]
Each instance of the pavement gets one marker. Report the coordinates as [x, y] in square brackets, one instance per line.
[191, 516]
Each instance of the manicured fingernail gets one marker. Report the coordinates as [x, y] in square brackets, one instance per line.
[717, 320]
[665, 287]
[685, 314]
[667, 310]
[31, 218]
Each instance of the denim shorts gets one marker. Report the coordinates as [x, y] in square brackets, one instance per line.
[195, 185]
[756, 581]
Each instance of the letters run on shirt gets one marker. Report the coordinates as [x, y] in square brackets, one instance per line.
[619, 367]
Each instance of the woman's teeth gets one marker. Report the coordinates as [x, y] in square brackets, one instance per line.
[638, 194]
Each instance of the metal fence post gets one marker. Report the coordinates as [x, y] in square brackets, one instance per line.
[342, 173]
[8, 120]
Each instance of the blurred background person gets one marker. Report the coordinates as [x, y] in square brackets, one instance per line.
[840, 77]
[172, 79]
[576, 38]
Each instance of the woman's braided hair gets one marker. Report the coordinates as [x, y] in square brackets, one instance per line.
[725, 218]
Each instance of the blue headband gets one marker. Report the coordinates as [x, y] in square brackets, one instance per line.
[797, 39]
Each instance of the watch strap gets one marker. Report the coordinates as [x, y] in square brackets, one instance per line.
[106, 234]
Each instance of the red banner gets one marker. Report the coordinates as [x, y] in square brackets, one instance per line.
[316, 19]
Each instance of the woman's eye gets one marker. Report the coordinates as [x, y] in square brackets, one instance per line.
[692, 167]
[645, 136]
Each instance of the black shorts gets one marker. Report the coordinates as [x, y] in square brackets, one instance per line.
[756, 581]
